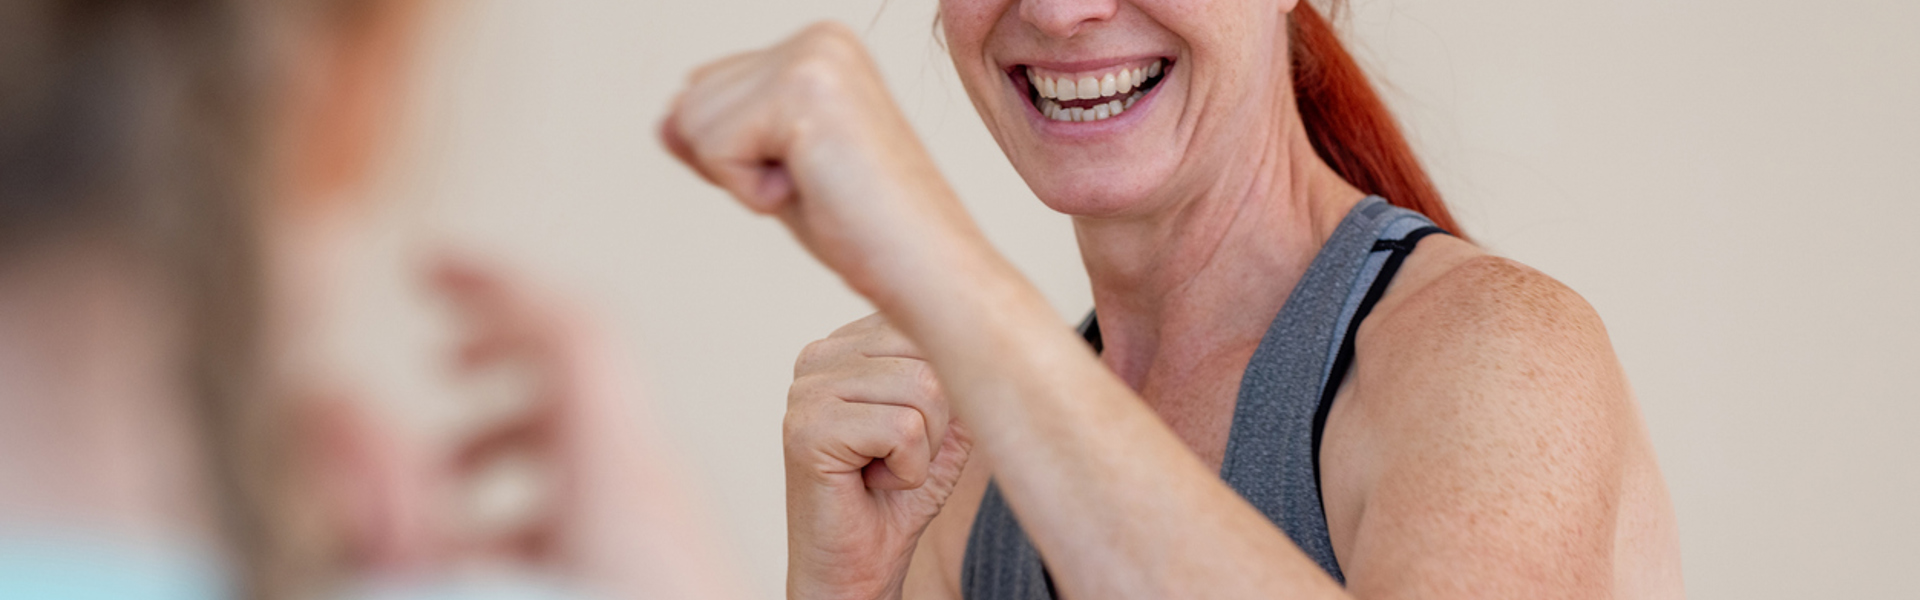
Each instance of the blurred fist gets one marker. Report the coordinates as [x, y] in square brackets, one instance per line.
[805, 130]
[616, 515]
[605, 507]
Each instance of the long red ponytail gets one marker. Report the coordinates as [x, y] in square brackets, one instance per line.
[1350, 127]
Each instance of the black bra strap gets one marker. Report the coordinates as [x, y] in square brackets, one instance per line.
[1344, 360]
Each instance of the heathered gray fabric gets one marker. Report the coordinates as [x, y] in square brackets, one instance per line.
[1001, 563]
[1269, 457]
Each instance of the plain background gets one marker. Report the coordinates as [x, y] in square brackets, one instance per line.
[1729, 182]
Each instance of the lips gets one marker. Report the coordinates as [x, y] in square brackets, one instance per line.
[1093, 95]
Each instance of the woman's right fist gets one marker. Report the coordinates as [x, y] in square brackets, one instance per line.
[806, 130]
[872, 455]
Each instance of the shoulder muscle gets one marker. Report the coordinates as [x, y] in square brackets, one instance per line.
[1492, 412]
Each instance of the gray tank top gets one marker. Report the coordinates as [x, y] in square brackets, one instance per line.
[1273, 448]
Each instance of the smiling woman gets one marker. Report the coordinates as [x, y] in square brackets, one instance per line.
[1298, 384]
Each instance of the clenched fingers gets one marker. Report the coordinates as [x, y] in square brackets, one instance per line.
[902, 382]
[840, 438]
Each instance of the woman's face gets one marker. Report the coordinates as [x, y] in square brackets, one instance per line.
[1051, 79]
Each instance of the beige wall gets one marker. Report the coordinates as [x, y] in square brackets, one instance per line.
[1728, 182]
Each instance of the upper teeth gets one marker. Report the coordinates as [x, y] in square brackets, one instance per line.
[1088, 87]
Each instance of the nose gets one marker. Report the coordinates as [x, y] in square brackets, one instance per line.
[1064, 18]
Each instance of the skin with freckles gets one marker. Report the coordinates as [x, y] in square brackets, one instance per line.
[1484, 444]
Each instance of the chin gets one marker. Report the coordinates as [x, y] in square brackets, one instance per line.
[1113, 189]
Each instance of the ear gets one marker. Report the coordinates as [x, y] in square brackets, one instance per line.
[346, 90]
[376, 489]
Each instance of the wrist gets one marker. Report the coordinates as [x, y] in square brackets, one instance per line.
[963, 297]
[884, 584]
[794, 592]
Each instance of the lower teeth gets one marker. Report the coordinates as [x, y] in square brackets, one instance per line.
[1097, 112]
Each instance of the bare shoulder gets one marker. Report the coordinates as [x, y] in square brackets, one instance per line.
[1484, 351]
[1480, 444]
[1463, 316]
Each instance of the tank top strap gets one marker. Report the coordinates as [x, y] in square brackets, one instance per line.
[1273, 446]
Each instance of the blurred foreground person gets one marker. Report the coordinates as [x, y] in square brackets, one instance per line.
[172, 179]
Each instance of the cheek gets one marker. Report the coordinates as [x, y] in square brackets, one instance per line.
[966, 26]
[965, 23]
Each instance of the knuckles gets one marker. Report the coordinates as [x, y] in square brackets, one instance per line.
[907, 428]
[815, 355]
[821, 66]
[829, 40]
[825, 63]
[863, 326]
[926, 384]
[796, 430]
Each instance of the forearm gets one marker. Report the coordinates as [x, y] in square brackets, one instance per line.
[1116, 502]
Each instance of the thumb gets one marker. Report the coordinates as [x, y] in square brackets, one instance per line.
[765, 186]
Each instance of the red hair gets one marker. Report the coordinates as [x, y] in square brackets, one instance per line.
[1350, 127]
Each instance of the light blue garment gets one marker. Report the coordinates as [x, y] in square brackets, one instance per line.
[81, 568]
[73, 567]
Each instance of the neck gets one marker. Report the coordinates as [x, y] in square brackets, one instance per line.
[1203, 280]
[95, 435]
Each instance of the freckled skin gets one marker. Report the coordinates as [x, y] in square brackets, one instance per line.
[1486, 416]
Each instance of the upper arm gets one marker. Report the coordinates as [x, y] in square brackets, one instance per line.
[1484, 431]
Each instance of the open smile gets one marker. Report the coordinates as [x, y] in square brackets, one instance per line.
[1090, 96]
